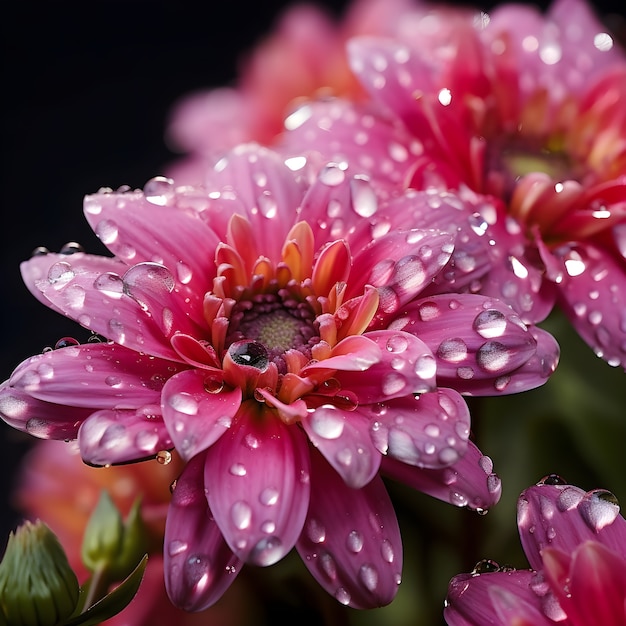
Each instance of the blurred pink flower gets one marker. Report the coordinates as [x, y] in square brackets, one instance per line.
[55, 485]
[576, 545]
[304, 57]
[289, 363]
[526, 111]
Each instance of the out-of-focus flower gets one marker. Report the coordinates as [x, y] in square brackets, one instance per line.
[56, 485]
[288, 362]
[576, 545]
[303, 57]
[525, 110]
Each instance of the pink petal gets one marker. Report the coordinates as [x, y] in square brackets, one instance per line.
[35, 271]
[198, 409]
[343, 438]
[199, 566]
[351, 541]
[76, 286]
[156, 225]
[400, 264]
[110, 437]
[98, 376]
[478, 342]
[342, 133]
[430, 430]
[355, 353]
[406, 366]
[257, 481]
[469, 482]
[40, 419]
[597, 574]
[593, 296]
[564, 516]
[493, 598]
[267, 193]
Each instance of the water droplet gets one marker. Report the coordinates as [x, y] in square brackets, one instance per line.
[368, 575]
[159, 190]
[267, 205]
[552, 479]
[332, 175]
[237, 469]
[60, 273]
[490, 324]
[269, 496]
[428, 311]
[241, 514]
[599, 508]
[65, 342]
[485, 566]
[177, 547]
[492, 356]
[197, 572]
[183, 403]
[452, 350]
[342, 596]
[146, 440]
[393, 383]
[354, 541]
[397, 344]
[425, 366]
[364, 200]
[267, 551]
[164, 457]
[328, 424]
[315, 531]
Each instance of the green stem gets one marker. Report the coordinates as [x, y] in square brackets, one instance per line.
[98, 587]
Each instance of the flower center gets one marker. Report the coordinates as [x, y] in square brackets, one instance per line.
[278, 322]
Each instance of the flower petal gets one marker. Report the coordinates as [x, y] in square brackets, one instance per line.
[259, 506]
[469, 482]
[400, 264]
[199, 566]
[111, 437]
[430, 430]
[406, 366]
[138, 225]
[351, 540]
[343, 438]
[564, 516]
[198, 409]
[267, 193]
[76, 286]
[510, 600]
[41, 419]
[593, 296]
[95, 375]
[478, 342]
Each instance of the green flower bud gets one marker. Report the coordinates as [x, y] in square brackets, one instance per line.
[111, 545]
[37, 584]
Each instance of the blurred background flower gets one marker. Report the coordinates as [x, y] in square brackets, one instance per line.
[88, 95]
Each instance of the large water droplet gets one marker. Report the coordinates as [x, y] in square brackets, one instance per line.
[241, 514]
[490, 324]
[492, 356]
[159, 190]
[327, 424]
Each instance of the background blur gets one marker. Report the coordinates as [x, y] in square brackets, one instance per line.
[87, 92]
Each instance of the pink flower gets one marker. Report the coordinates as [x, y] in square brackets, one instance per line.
[288, 362]
[524, 110]
[576, 545]
[303, 57]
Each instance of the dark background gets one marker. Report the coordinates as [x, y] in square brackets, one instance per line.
[86, 91]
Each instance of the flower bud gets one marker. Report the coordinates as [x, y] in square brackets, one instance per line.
[111, 545]
[37, 584]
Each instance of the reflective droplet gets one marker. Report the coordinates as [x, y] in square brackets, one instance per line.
[241, 514]
[164, 457]
[328, 424]
[267, 551]
[599, 508]
[492, 356]
[368, 575]
[490, 324]
[452, 350]
[355, 541]
[159, 190]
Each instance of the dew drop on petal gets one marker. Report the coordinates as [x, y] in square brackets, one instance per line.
[397, 344]
[332, 175]
[146, 439]
[569, 498]
[452, 350]
[176, 547]
[197, 572]
[354, 541]
[315, 531]
[269, 496]
[342, 596]
[159, 190]
[490, 324]
[425, 366]
[238, 469]
[241, 514]
[393, 383]
[492, 356]
[327, 424]
[599, 508]
[267, 551]
[368, 575]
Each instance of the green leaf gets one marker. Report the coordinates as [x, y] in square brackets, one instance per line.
[114, 602]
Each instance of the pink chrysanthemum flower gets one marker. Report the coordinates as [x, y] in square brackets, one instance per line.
[524, 109]
[576, 545]
[303, 57]
[289, 362]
